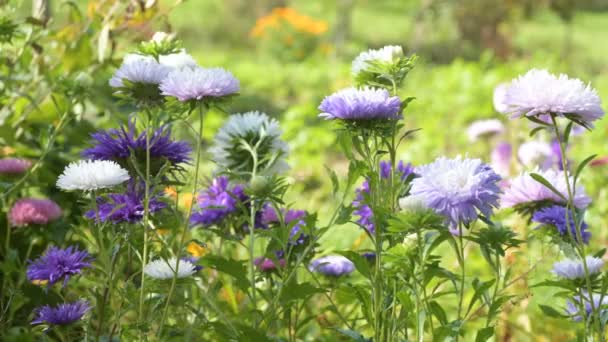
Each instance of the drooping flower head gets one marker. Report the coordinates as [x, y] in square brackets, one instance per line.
[539, 92]
[388, 54]
[361, 104]
[484, 129]
[165, 269]
[90, 175]
[14, 166]
[535, 154]
[525, 191]
[57, 264]
[332, 265]
[127, 207]
[573, 307]
[254, 129]
[501, 158]
[217, 202]
[63, 314]
[33, 211]
[457, 189]
[363, 210]
[574, 269]
[556, 216]
[199, 84]
[122, 144]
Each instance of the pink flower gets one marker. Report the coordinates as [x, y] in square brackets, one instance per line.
[13, 166]
[33, 211]
[267, 265]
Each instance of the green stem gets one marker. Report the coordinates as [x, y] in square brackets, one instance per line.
[144, 256]
[497, 284]
[462, 272]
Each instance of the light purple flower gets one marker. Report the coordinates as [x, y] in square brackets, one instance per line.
[14, 166]
[457, 188]
[501, 158]
[360, 104]
[574, 269]
[332, 265]
[534, 154]
[539, 92]
[484, 129]
[139, 70]
[572, 307]
[198, 83]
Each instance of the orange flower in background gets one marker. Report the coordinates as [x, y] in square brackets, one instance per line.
[288, 16]
[7, 151]
[196, 250]
[185, 199]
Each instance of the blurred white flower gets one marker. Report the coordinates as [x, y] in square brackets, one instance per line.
[91, 175]
[160, 37]
[484, 129]
[535, 154]
[165, 269]
[386, 54]
[499, 98]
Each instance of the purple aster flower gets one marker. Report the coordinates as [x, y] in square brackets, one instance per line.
[484, 129]
[139, 70]
[332, 265]
[194, 261]
[573, 307]
[501, 158]
[267, 264]
[14, 166]
[363, 210]
[361, 104]
[269, 215]
[557, 155]
[196, 83]
[538, 92]
[63, 314]
[556, 216]
[457, 189]
[120, 144]
[125, 207]
[57, 264]
[574, 269]
[369, 256]
[217, 202]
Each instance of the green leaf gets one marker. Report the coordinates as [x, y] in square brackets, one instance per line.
[546, 183]
[551, 312]
[294, 291]
[480, 289]
[567, 132]
[581, 166]
[484, 334]
[536, 130]
[438, 312]
[361, 264]
[233, 268]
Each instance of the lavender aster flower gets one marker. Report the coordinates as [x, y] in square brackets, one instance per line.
[139, 70]
[361, 104]
[254, 128]
[125, 207]
[501, 158]
[217, 202]
[572, 307]
[484, 129]
[198, 83]
[525, 190]
[457, 188]
[574, 269]
[57, 264]
[63, 314]
[538, 92]
[556, 216]
[120, 144]
[332, 265]
[14, 166]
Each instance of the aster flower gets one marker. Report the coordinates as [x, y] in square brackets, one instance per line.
[573, 307]
[193, 261]
[526, 191]
[33, 211]
[138, 69]
[501, 158]
[90, 175]
[538, 92]
[484, 129]
[63, 314]
[165, 269]
[574, 269]
[362, 210]
[332, 265]
[14, 166]
[536, 154]
[253, 128]
[556, 216]
[217, 202]
[121, 144]
[457, 188]
[125, 207]
[178, 60]
[267, 264]
[198, 83]
[57, 264]
[269, 215]
[499, 98]
[412, 203]
[387, 54]
[361, 104]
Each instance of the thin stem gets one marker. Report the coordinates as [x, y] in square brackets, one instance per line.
[497, 284]
[144, 256]
[252, 211]
[187, 221]
[462, 272]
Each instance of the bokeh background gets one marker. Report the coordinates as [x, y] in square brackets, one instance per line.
[288, 55]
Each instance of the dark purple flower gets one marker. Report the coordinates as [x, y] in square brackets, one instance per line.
[361, 104]
[125, 207]
[267, 264]
[369, 256]
[332, 265]
[269, 215]
[193, 261]
[363, 210]
[217, 202]
[556, 216]
[63, 314]
[119, 144]
[57, 263]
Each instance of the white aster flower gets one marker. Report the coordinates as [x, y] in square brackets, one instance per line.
[539, 92]
[524, 189]
[388, 54]
[251, 127]
[484, 129]
[91, 175]
[412, 203]
[178, 60]
[139, 69]
[165, 269]
[197, 83]
[535, 154]
[160, 37]
[499, 98]
[574, 269]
